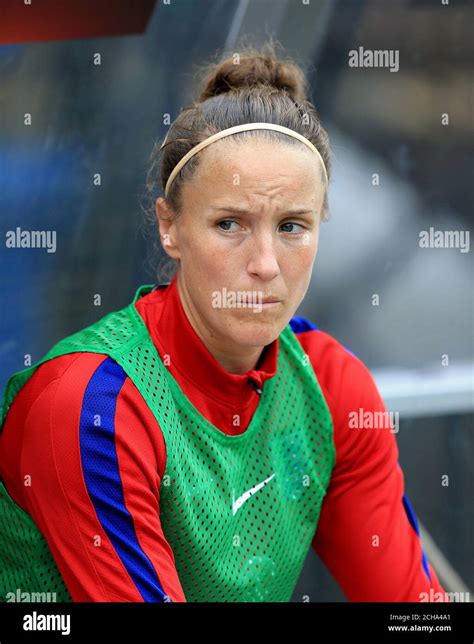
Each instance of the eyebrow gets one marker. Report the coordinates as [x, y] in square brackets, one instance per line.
[244, 211]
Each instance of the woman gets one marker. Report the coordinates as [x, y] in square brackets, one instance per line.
[194, 445]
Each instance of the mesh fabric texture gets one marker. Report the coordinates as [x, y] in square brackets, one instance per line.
[239, 511]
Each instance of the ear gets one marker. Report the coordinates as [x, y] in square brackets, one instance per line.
[167, 226]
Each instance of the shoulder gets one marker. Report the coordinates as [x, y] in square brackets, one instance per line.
[67, 394]
[79, 418]
[340, 372]
[348, 387]
[71, 371]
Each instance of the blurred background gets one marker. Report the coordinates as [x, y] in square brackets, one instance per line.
[89, 119]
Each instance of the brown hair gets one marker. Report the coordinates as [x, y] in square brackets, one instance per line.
[252, 85]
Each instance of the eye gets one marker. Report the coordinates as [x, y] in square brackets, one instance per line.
[225, 222]
[292, 223]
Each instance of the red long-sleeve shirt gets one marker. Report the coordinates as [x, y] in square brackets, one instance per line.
[367, 534]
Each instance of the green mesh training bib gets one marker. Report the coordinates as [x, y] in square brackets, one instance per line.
[239, 512]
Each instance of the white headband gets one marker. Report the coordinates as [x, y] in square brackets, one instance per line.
[232, 130]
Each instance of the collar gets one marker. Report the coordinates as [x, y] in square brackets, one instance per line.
[173, 335]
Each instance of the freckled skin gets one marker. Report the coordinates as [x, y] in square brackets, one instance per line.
[252, 252]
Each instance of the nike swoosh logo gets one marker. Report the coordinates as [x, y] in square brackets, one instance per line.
[236, 504]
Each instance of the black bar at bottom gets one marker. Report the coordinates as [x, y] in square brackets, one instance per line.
[265, 621]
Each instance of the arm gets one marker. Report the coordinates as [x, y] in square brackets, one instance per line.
[94, 453]
[366, 535]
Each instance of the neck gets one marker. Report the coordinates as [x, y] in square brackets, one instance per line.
[236, 364]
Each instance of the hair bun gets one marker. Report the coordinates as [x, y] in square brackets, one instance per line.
[252, 67]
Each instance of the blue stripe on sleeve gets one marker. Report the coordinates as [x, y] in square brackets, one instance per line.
[103, 481]
[414, 523]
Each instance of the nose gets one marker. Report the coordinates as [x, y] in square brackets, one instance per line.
[263, 261]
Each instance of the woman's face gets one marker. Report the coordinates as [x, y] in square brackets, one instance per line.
[248, 256]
